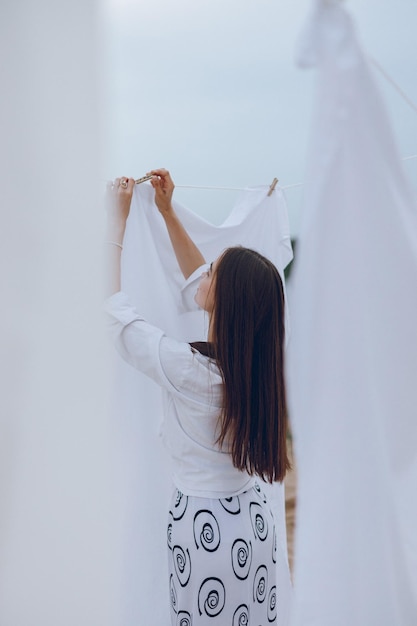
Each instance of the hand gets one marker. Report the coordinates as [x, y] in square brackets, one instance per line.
[164, 188]
[118, 200]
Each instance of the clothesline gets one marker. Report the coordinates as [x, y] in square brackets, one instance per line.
[284, 187]
[392, 82]
[230, 188]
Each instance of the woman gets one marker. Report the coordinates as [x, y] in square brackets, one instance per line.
[225, 421]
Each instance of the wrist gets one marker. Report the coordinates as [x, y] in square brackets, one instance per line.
[169, 214]
[116, 230]
[115, 234]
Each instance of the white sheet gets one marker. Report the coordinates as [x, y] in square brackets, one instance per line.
[152, 279]
[353, 351]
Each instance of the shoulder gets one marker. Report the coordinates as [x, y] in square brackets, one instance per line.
[188, 370]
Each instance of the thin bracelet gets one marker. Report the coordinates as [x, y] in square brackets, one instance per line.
[114, 243]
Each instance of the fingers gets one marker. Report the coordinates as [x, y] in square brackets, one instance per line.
[158, 185]
[160, 192]
[164, 175]
[122, 185]
[162, 172]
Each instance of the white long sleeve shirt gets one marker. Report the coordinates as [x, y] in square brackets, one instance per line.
[193, 392]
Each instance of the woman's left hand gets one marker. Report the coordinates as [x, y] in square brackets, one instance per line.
[118, 200]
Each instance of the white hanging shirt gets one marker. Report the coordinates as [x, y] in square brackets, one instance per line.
[193, 392]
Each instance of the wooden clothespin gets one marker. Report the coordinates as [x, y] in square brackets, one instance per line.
[143, 179]
[272, 186]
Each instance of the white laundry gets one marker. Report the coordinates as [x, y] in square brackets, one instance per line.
[152, 279]
[353, 351]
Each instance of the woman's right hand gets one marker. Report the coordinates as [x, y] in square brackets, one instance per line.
[188, 255]
[164, 188]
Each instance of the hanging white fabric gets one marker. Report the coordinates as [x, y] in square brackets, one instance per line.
[353, 351]
[152, 279]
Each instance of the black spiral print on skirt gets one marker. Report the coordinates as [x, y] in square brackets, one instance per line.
[260, 584]
[231, 505]
[259, 521]
[241, 616]
[182, 564]
[173, 594]
[184, 619]
[241, 558]
[274, 545]
[180, 505]
[211, 597]
[260, 493]
[169, 535]
[222, 555]
[206, 531]
[272, 605]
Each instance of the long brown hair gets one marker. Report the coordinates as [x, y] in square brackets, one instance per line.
[248, 329]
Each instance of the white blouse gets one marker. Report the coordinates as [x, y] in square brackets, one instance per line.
[193, 392]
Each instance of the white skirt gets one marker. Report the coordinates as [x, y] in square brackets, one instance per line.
[223, 559]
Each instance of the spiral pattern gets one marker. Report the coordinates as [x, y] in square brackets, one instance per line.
[180, 506]
[206, 531]
[259, 522]
[260, 584]
[182, 564]
[231, 505]
[222, 560]
[260, 493]
[173, 594]
[184, 619]
[272, 604]
[241, 558]
[211, 597]
[241, 616]
[169, 536]
[274, 546]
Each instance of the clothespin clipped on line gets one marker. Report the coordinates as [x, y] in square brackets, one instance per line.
[143, 179]
[272, 186]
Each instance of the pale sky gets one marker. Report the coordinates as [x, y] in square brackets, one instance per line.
[209, 89]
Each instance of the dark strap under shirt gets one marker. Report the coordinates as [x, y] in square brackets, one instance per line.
[205, 348]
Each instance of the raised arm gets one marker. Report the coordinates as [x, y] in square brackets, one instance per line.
[119, 198]
[188, 255]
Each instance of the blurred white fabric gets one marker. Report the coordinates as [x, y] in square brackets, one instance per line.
[59, 529]
[152, 279]
[353, 351]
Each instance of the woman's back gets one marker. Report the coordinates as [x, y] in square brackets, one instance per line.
[193, 400]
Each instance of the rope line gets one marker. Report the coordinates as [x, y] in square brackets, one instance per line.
[407, 158]
[206, 187]
[233, 188]
[293, 186]
[394, 84]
